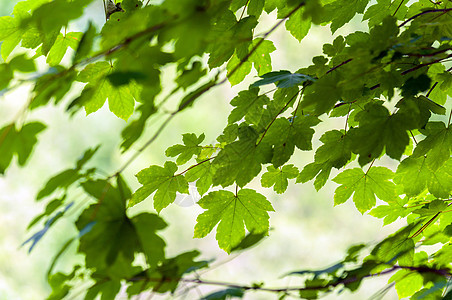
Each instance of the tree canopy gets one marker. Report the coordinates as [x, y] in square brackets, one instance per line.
[389, 86]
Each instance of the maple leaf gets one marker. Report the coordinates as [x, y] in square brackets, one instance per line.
[185, 152]
[162, 180]
[240, 161]
[59, 48]
[202, 173]
[335, 152]
[99, 88]
[278, 178]
[232, 213]
[364, 187]
[380, 130]
[436, 146]
[415, 176]
[286, 134]
[248, 104]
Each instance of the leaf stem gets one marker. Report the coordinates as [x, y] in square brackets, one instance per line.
[273, 120]
[346, 119]
[194, 166]
[414, 139]
[371, 164]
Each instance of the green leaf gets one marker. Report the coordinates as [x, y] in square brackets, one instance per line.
[415, 85]
[232, 213]
[436, 146]
[364, 187]
[18, 142]
[86, 43]
[190, 76]
[377, 12]
[202, 173]
[255, 7]
[173, 269]
[119, 78]
[431, 209]
[67, 177]
[340, 12]
[164, 181]
[283, 79]
[249, 241]
[279, 177]
[322, 94]
[121, 99]
[153, 246]
[335, 152]
[380, 130]
[186, 151]
[52, 85]
[237, 70]
[240, 161]
[248, 104]
[62, 11]
[415, 176]
[298, 26]
[22, 64]
[261, 56]
[397, 247]
[61, 45]
[390, 213]
[407, 282]
[109, 239]
[10, 34]
[284, 134]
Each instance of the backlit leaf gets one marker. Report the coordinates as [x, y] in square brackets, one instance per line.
[232, 213]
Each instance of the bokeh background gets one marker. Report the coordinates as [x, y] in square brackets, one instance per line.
[308, 232]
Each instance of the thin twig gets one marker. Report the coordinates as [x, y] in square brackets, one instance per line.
[424, 65]
[194, 166]
[243, 11]
[445, 10]
[339, 65]
[412, 135]
[282, 109]
[398, 7]
[347, 280]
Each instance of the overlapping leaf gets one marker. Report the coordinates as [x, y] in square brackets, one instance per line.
[185, 152]
[164, 181]
[335, 152]
[248, 104]
[436, 146]
[286, 134]
[240, 161]
[121, 99]
[381, 131]
[415, 176]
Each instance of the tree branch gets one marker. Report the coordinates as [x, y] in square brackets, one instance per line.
[331, 284]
